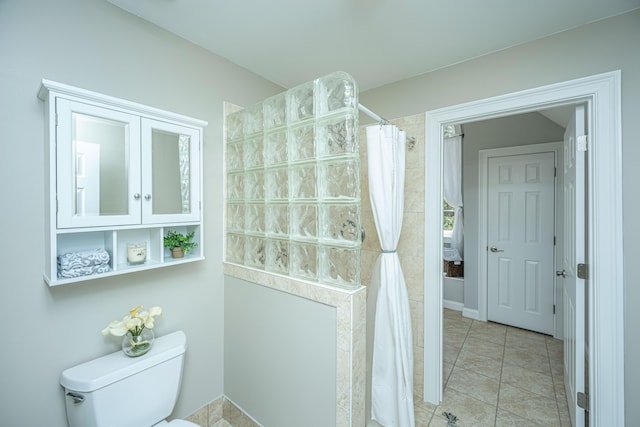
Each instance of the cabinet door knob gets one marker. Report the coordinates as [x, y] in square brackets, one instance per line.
[136, 196]
[147, 196]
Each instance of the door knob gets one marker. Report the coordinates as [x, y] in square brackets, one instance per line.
[561, 273]
[494, 249]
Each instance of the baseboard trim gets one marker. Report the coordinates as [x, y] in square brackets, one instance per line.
[452, 305]
[470, 313]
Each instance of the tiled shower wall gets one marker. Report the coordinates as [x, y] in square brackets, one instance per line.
[411, 244]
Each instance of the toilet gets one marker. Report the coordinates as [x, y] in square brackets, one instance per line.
[116, 390]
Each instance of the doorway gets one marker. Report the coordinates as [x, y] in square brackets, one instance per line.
[492, 359]
[601, 94]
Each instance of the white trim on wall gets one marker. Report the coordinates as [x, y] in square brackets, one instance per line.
[602, 93]
[453, 305]
[470, 313]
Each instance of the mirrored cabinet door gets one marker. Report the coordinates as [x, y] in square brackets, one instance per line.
[98, 166]
[171, 170]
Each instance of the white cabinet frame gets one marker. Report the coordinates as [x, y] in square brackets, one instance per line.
[65, 232]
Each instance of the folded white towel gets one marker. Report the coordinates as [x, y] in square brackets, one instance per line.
[451, 254]
[80, 259]
[82, 271]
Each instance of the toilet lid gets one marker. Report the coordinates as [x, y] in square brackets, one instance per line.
[182, 423]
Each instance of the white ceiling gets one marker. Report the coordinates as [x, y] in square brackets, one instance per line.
[377, 41]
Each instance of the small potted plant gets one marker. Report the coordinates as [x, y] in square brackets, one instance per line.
[178, 243]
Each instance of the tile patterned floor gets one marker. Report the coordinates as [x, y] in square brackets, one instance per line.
[496, 375]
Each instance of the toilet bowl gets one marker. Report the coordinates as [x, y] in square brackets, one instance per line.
[118, 390]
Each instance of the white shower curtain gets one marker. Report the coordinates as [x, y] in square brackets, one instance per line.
[452, 188]
[392, 364]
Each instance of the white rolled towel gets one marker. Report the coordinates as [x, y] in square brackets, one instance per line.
[88, 258]
[83, 271]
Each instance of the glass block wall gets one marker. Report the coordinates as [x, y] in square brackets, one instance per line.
[293, 190]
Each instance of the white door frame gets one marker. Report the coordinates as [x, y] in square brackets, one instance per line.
[483, 189]
[602, 94]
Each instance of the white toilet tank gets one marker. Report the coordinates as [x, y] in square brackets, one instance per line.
[116, 390]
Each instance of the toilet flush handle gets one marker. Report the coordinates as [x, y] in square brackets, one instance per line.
[77, 398]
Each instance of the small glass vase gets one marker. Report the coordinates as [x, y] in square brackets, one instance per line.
[137, 345]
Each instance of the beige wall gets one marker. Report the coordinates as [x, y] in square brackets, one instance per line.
[600, 47]
[280, 355]
[94, 45]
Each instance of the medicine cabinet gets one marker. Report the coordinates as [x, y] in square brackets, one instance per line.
[120, 176]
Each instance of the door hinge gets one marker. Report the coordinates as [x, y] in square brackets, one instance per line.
[554, 240]
[583, 271]
[554, 309]
[582, 143]
[555, 172]
[583, 401]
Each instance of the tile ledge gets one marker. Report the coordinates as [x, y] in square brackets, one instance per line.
[311, 290]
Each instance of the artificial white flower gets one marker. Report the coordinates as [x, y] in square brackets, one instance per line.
[135, 322]
[115, 328]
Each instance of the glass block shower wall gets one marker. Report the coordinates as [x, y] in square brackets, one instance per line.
[293, 190]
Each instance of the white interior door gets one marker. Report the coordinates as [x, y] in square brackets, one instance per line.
[520, 236]
[574, 254]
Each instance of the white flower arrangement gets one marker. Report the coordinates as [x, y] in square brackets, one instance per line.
[135, 322]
